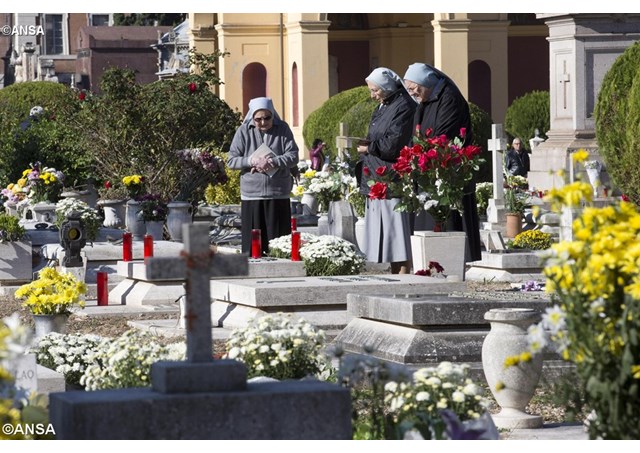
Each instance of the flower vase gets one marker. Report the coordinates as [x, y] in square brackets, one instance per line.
[361, 237]
[594, 179]
[179, 213]
[508, 338]
[115, 212]
[155, 229]
[514, 225]
[46, 324]
[133, 223]
[323, 224]
[309, 204]
[11, 208]
[44, 212]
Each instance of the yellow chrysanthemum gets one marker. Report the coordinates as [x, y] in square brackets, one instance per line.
[580, 156]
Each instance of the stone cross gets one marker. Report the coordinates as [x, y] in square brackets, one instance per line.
[197, 264]
[497, 144]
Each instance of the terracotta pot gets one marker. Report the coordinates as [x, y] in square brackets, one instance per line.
[514, 225]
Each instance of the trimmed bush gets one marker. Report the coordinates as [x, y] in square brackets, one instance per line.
[617, 118]
[51, 140]
[324, 122]
[526, 114]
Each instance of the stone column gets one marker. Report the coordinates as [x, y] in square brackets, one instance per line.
[451, 31]
[582, 48]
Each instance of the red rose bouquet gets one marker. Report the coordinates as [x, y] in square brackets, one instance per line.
[430, 175]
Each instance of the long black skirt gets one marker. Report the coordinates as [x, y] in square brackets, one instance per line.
[271, 217]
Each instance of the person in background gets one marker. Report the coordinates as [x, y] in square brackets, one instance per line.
[317, 155]
[443, 109]
[265, 181]
[516, 162]
[387, 232]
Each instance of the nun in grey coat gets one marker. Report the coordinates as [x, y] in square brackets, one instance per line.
[387, 232]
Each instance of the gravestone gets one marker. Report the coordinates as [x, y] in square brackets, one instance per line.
[201, 398]
[497, 144]
[342, 221]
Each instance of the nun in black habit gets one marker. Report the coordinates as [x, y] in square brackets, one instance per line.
[443, 109]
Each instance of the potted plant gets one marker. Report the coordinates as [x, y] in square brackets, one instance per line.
[50, 298]
[15, 250]
[153, 212]
[515, 200]
[135, 185]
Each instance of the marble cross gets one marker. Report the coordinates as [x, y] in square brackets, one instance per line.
[197, 264]
[497, 144]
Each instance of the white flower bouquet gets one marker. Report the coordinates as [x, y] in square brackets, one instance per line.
[279, 347]
[322, 255]
[67, 354]
[126, 361]
[327, 186]
[417, 405]
[90, 217]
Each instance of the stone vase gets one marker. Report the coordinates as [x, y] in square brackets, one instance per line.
[309, 204]
[360, 233]
[323, 224]
[46, 324]
[179, 213]
[44, 212]
[11, 208]
[594, 179]
[155, 229]
[115, 212]
[507, 338]
[133, 223]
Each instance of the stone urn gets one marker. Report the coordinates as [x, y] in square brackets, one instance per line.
[44, 212]
[155, 229]
[115, 212]
[134, 224]
[309, 203]
[46, 324]
[508, 338]
[179, 213]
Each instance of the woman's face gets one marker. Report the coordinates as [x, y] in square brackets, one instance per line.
[375, 92]
[263, 120]
[419, 92]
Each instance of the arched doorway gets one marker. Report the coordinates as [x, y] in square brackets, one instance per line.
[254, 84]
[480, 85]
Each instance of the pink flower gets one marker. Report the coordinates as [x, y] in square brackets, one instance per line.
[193, 87]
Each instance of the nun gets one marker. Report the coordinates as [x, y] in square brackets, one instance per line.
[443, 109]
[387, 232]
[264, 150]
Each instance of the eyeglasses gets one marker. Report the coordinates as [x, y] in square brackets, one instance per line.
[516, 143]
[265, 119]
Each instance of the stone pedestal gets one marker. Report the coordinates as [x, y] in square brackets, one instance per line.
[447, 248]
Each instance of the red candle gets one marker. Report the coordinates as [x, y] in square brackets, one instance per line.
[294, 224]
[127, 246]
[295, 246]
[256, 243]
[148, 246]
[103, 288]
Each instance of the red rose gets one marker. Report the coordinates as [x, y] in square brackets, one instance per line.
[82, 96]
[193, 87]
[366, 171]
[428, 132]
[463, 132]
[624, 197]
[402, 166]
[380, 171]
[435, 265]
[378, 191]
[425, 272]
[107, 185]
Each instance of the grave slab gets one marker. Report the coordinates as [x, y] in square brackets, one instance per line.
[506, 266]
[447, 248]
[138, 287]
[423, 328]
[320, 300]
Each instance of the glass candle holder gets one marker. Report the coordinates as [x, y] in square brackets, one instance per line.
[102, 279]
[127, 246]
[148, 246]
[256, 243]
[295, 246]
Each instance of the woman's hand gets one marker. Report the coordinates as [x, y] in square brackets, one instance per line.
[363, 149]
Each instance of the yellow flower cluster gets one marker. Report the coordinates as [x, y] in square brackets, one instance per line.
[52, 293]
[48, 178]
[592, 274]
[132, 180]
